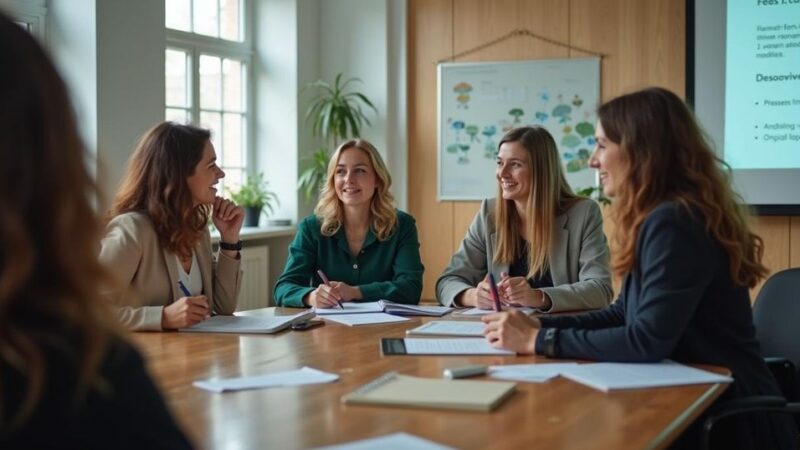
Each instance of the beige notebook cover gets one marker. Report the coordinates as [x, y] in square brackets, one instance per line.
[401, 390]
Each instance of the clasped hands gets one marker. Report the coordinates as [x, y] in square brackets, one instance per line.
[329, 295]
[513, 291]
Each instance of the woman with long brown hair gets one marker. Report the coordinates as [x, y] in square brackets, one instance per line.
[682, 244]
[157, 242]
[68, 378]
[357, 246]
[544, 245]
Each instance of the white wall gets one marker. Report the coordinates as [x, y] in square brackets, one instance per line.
[111, 53]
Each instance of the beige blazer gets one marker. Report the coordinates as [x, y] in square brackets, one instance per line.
[578, 259]
[131, 251]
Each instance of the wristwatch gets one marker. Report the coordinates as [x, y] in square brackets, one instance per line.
[228, 246]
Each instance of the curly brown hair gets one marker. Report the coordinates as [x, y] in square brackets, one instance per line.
[669, 159]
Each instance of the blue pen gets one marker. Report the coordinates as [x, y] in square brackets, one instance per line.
[183, 289]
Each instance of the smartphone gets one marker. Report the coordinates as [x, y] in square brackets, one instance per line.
[393, 346]
[306, 324]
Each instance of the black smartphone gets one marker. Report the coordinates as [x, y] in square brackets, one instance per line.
[306, 324]
[393, 346]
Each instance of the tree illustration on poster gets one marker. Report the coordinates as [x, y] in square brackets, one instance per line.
[479, 102]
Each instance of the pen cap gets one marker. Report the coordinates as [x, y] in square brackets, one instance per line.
[472, 370]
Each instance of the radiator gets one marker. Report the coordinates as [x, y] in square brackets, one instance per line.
[255, 284]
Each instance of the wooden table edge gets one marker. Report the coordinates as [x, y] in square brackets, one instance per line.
[668, 435]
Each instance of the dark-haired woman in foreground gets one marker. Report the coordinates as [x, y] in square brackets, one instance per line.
[68, 378]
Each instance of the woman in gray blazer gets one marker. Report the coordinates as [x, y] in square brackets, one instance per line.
[157, 242]
[543, 244]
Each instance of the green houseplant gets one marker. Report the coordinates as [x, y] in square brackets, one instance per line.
[335, 114]
[255, 197]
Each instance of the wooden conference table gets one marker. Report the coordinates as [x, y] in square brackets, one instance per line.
[557, 414]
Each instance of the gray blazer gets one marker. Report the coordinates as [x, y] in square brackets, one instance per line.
[578, 259]
[148, 273]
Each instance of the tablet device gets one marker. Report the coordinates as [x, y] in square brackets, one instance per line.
[393, 346]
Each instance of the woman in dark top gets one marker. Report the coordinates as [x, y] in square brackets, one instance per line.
[682, 244]
[68, 379]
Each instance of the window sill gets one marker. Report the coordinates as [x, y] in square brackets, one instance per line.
[254, 233]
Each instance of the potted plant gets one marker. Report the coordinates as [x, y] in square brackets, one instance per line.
[255, 198]
[335, 114]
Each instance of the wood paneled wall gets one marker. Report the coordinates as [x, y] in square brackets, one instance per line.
[645, 46]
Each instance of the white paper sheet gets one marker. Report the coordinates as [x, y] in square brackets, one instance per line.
[458, 346]
[306, 375]
[351, 308]
[450, 328]
[531, 373]
[483, 312]
[365, 319]
[612, 376]
[395, 441]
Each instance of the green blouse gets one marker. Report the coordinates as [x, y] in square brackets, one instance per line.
[390, 269]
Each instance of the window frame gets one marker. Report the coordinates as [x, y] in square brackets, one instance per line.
[194, 45]
[33, 15]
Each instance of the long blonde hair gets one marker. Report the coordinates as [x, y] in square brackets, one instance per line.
[49, 272]
[549, 196]
[329, 210]
[669, 159]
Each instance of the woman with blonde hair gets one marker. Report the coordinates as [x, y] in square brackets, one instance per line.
[543, 244]
[357, 246]
[157, 242]
[68, 377]
[682, 244]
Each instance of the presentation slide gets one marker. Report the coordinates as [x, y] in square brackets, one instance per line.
[762, 87]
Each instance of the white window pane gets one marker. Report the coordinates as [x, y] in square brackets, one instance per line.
[213, 121]
[229, 20]
[177, 115]
[176, 80]
[234, 178]
[206, 17]
[210, 82]
[178, 14]
[233, 139]
[232, 83]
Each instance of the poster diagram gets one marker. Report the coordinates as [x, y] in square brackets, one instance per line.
[480, 102]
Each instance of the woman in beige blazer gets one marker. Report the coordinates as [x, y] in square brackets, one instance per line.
[157, 242]
[544, 245]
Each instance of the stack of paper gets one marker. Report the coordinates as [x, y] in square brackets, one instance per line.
[306, 375]
[612, 376]
[353, 320]
[383, 306]
[481, 312]
[460, 346]
[465, 328]
[531, 373]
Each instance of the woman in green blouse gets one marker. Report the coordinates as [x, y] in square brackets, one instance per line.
[368, 249]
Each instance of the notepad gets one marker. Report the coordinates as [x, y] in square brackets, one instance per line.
[482, 312]
[248, 324]
[450, 328]
[354, 320]
[394, 389]
[384, 306]
[394, 441]
[303, 376]
[614, 376]
[454, 346]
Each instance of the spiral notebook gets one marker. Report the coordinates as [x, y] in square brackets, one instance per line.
[394, 389]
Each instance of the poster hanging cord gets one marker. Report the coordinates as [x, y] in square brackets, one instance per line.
[513, 34]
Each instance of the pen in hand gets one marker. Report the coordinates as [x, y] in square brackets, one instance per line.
[495, 296]
[186, 292]
[327, 283]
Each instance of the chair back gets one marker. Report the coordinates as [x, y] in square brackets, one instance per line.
[776, 315]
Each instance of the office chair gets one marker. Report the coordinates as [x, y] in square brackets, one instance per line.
[776, 315]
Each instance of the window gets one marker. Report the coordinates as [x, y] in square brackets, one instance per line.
[30, 15]
[207, 75]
